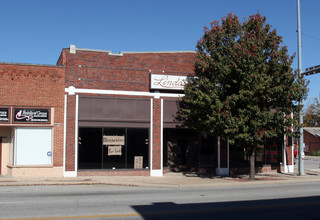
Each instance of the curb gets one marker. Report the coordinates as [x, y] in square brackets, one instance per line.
[167, 182]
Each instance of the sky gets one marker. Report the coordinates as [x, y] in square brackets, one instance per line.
[35, 31]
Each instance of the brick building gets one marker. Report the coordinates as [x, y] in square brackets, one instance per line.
[311, 136]
[31, 119]
[120, 114]
[99, 113]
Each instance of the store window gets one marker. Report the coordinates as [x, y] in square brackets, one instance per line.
[113, 148]
[33, 146]
[179, 150]
[272, 151]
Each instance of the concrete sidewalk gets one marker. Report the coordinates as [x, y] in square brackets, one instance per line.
[169, 180]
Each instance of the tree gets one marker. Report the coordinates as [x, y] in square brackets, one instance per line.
[312, 114]
[243, 85]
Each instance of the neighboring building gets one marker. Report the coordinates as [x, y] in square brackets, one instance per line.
[311, 137]
[99, 113]
[31, 119]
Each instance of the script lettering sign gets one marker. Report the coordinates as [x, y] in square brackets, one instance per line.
[31, 115]
[168, 82]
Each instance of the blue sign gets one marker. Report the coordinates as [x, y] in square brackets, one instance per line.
[49, 153]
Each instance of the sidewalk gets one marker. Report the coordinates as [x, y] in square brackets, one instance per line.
[169, 180]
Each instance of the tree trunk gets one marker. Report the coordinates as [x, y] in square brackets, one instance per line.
[252, 164]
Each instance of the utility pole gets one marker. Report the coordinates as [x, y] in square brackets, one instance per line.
[301, 150]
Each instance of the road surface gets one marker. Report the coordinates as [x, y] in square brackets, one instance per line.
[272, 201]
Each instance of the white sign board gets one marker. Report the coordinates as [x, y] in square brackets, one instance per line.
[168, 82]
[113, 140]
[114, 150]
[138, 162]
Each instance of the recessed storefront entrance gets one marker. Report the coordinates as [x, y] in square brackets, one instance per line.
[186, 150]
[178, 148]
[113, 148]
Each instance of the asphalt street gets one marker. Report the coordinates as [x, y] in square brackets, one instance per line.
[173, 196]
[311, 163]
[272, 201]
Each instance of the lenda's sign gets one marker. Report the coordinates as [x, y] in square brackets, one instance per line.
[168, 82]
[4, 115]
[31, 115]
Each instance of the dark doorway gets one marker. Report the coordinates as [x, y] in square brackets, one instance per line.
[179, 150]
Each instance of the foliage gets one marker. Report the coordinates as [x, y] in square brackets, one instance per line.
[312, 114]
[317, 153]
[244, 84]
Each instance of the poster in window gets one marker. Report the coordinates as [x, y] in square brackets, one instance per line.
[138, 162]
[114, 150]
[113, 140]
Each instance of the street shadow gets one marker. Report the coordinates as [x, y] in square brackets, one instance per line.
[240, 177]
[291, 208]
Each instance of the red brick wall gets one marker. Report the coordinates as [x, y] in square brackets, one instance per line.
[156, 151]
[70, 133]
[289, 150]
[36, 86]
[312, 142]
[130, 72]
[114, 173]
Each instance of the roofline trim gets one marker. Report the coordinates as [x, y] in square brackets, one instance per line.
[94, 50]
[29, 64]
[73, 47]
[178, 51]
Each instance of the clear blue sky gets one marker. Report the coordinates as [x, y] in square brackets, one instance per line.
[35, 31]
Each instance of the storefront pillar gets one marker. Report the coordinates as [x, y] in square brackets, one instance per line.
[223, 157]
[287, 152]
[157, 133]
[71, 134]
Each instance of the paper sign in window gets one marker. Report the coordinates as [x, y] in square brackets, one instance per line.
[114, 150]
[138, 162]
[113, 140]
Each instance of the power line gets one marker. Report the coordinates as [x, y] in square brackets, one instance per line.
[311, 36]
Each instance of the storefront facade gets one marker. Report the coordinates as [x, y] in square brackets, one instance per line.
[117, 109]
[99, 113]
[31, 120]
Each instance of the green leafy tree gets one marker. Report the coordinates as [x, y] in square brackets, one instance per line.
[312, 114]
[243, 85]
